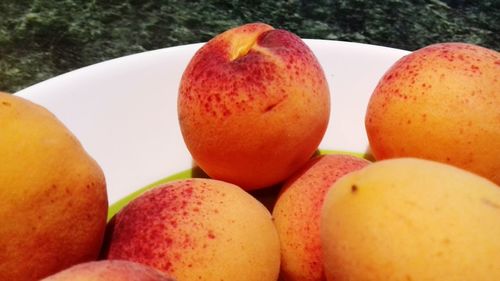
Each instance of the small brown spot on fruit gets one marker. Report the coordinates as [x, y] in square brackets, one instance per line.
[354, 188]
[270, 107]
[490, 203]
[6, 103]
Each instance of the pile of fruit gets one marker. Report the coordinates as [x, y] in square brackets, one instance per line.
[253, 107]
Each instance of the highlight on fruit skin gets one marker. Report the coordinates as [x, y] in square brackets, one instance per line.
[442, 103]
[253, 105]
[53, 194]
[411, 219]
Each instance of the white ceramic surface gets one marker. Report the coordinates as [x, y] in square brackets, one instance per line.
[124, 111]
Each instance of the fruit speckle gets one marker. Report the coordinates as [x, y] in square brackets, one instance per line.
[176, 228]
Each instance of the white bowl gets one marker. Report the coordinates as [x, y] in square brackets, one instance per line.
[124, 111]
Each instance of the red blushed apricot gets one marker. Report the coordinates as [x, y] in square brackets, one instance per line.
[297, 215]
[109, 270]
[442, 103]
[197, 229]
[253, 105]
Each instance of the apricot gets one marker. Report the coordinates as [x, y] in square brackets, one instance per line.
[109, 270]
[411, 219]
[253, 105]
[198, 229]
[297, 214]
[53, 194]
[440, 103]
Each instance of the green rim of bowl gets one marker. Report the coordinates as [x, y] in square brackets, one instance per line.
[190, 173]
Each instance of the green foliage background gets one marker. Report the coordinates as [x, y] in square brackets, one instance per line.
[40, 39]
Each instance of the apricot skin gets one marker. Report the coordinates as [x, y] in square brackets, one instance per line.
[253, 105]
[197, 229]
[53, 194]
[442, 103]
[109, 270]
[297, 214]
[411, 219]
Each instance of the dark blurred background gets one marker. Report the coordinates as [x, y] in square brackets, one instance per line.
[40, 39]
